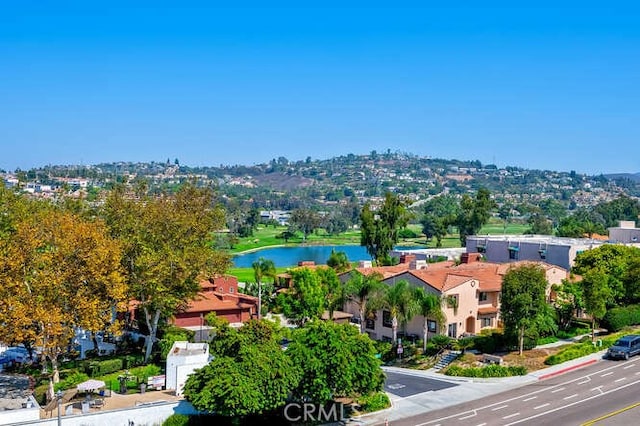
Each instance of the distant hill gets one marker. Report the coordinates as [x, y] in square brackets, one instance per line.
[635, 177]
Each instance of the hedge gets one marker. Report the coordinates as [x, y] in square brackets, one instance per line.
[618, 318]
[100, 368]
[578, 350]
[493, 370]
[374, 402]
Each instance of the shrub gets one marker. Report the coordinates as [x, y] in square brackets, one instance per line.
[374, 402]
[385, 349]
[441, 341]
[176, 420]
[407, 233]
[493, 370]
[618, 318]
[574, 351]
[545, 340]
[71, 381]
[100, 368]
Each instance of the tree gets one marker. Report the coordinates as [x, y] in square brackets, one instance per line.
[430, 307]
[364, 291]
[59, 272]
[336, 361]
[379, 230]
[167, 248]
[304, 220]
[474, 213]
[305, 299]
[332, 288]
[568, 302]
[402, 305]
[539, 224]
[523, 299]
[439, 213]
[252, 376]
[596, 294]
[338, 261]
[262, 268]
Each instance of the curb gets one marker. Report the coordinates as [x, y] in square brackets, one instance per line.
[567, 369]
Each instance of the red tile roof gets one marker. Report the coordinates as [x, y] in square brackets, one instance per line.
[487, 310]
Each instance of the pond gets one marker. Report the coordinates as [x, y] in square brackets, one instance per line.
[290, 256]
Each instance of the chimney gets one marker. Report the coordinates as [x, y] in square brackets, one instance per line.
[470, 257]
[407, 258]
[364, 264]
[417, 264]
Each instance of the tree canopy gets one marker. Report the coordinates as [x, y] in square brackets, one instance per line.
[379, 228]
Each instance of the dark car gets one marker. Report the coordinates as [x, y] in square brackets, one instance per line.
[625, 347]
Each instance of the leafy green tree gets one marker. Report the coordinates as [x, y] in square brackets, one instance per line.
[167, 248]
[253, 375]
[504, 213]
[332, 288]
[430, 307]
[597, 295]
[262, 268]
[336, 361]
[621, 208]
[338, 261]
[364, 291]
[305, 300]
[523, 299]
[439, 213]
[305, 221]
[474, 213]
[379, 229]
[539, 224]
[568, 302]
[402, 305]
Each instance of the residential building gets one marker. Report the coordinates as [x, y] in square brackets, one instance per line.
[221, 296]
[558, 251]
[182, 360]
[625, 233]
[470, 292]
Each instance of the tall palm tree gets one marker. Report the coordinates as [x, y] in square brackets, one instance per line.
[402, 305]
[430, 307]
[262, 268]
[364, 291]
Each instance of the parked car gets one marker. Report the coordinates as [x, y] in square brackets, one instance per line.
[625, 347]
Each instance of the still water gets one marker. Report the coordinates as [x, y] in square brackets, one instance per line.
[290, 256]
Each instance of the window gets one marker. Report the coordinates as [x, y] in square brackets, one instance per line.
[482, 248]
[486, 322]
[513, 252]
[370, 324]
[230, 289]
[482, 296]
[543, 253]
[386, 319]
[432, 326]
[452, 301]
[453, 330]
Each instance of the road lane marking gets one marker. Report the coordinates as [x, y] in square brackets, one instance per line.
[637, 373]
[619, 380]
[584, 381]
[511, 415]
[541, 406]
[628, 366]
[613, 413]
[499, 408]
[466, 417]
[607, 374]
[558, 390]
[562, 407]
[570, 396]
[482, 424]
[529, 399]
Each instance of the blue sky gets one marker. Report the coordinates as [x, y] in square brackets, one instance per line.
[544, 87]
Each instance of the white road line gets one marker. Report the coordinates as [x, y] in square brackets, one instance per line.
[628, 366]
[467, 417]
[619, 380]
[511, 415]
[607, 374]
[541, 406]
[596, 388]
[558, 390]
[637, 373]
[584, 381]
[570, 396]
[529, 399]
[499, 408]
[482, 424]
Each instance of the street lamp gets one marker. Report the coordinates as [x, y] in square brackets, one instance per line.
[59, 398]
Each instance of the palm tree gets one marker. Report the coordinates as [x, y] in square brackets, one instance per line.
[401, 303]
[430, 307]
[364, 291]
[262, 268]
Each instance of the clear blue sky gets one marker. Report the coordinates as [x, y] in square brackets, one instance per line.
[543, 87]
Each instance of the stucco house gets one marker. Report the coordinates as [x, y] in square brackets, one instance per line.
[470, 291]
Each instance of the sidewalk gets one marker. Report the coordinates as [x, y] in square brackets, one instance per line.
[468, 389]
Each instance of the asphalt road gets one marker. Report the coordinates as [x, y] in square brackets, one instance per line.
[605, 393]
[404, 385]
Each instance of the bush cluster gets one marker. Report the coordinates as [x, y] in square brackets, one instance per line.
[493, 370]
[575, 351]
[374, 402]
[100, 368]
[618, 318]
